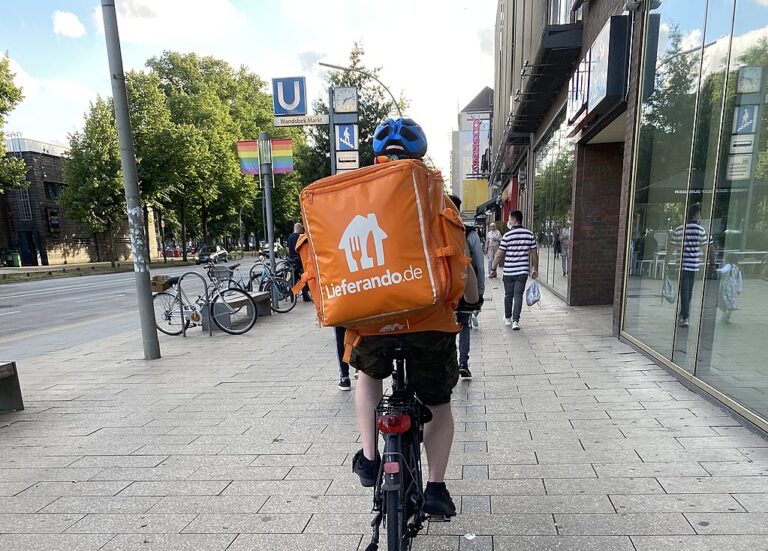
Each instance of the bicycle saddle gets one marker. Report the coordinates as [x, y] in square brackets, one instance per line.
[173, 280]
[234, 266]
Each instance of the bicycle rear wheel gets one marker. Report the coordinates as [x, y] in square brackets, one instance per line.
[168, 318]
[233, 311]
[282, 299]
[395, 505]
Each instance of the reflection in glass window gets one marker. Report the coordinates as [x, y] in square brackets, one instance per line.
[552, 206]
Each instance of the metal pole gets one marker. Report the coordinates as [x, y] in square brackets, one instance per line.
[331, 131]
[266, 172]
[131, 183]
[242, 245]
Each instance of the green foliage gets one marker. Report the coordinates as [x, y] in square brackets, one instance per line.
[12, 171]
[374, 105]
[94, 194]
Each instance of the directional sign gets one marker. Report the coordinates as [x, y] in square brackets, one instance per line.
[301, 121]
[347, 160]
[289, 96]
[346, 137]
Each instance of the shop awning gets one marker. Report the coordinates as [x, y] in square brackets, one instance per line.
[491, 204]
[551, 69]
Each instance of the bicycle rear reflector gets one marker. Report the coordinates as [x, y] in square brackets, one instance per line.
[394, 423]
[392, 467]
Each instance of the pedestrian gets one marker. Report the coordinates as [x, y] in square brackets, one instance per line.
[731, 286]
[492, 242]
[295, 259]
[344, 381]
[518, 256]
[689, 238]
[465, 310]
[565, 240]
[558, 244]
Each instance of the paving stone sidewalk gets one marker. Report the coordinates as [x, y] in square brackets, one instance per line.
[565, 439]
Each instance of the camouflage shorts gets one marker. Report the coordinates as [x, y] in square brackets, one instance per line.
[433, 370]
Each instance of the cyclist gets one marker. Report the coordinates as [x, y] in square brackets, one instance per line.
[432, 365]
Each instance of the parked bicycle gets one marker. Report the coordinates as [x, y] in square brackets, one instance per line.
[398, 495]
[282, 298]
[231, 310]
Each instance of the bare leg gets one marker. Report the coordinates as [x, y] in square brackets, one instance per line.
[438, 437]
[367, 395]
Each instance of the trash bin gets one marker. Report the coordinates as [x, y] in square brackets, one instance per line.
[16, 260]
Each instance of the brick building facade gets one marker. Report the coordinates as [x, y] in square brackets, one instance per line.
[33, 222]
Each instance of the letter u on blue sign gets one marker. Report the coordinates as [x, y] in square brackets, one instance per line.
[289, 96]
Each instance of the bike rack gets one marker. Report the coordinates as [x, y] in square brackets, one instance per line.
[207, 303]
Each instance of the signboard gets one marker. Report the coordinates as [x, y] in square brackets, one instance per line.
[578, 88]
[742, 144]
[739, 167]
[347, 160]
[347, 138]
[745, 119]
[301, 121]
[289, 96]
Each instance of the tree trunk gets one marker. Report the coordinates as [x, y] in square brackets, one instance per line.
[159, 220]
[96, 245]
[183, 230]
[112, 257]
[204, 216]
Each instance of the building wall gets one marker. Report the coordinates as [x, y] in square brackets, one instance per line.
[595, 207]
[72, 242]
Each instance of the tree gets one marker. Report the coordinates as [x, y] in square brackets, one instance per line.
[374, 105]
[94, 194]
[12, 170]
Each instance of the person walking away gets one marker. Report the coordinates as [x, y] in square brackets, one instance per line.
[731, 286]
[432, 366]
[518, 255]
[557, 246]
[689, 238]
[565, 240]
[492, 245]
[466, 311]
[295, 259]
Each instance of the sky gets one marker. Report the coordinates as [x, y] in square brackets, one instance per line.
[439, 55]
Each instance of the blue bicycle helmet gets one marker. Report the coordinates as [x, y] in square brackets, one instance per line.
[401, 138]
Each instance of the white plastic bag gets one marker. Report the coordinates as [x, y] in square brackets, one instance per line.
[668, 290]
[533, 293]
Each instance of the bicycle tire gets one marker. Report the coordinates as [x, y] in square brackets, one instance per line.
[286, 300]
[166, 307]
[234, 311]
[395, 504]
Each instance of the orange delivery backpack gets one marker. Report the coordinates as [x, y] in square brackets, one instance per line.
[384, 250]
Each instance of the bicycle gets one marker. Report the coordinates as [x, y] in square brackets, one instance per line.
[232, 310]
[282, 298]
[398, 496]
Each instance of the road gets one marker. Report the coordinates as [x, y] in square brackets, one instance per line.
[43, 316]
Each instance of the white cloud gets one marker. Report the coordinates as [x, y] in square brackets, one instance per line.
[173, 24]
[67, 24]
[51, 108]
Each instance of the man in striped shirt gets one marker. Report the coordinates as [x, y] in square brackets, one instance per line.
[691, 238]
[519, 254]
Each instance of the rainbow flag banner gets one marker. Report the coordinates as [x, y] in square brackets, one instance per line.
[282, 156]
[248, 151]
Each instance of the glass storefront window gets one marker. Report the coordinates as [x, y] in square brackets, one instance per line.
[552, 205]
[697, 273]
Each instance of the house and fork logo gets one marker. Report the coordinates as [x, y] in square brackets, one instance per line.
[363, 244]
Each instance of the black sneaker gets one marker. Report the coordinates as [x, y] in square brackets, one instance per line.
[437, 501]
[344, 384]
[464, 371]
[366, 469]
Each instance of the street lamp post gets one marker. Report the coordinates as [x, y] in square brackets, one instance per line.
[265, 162]
[131, 183]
